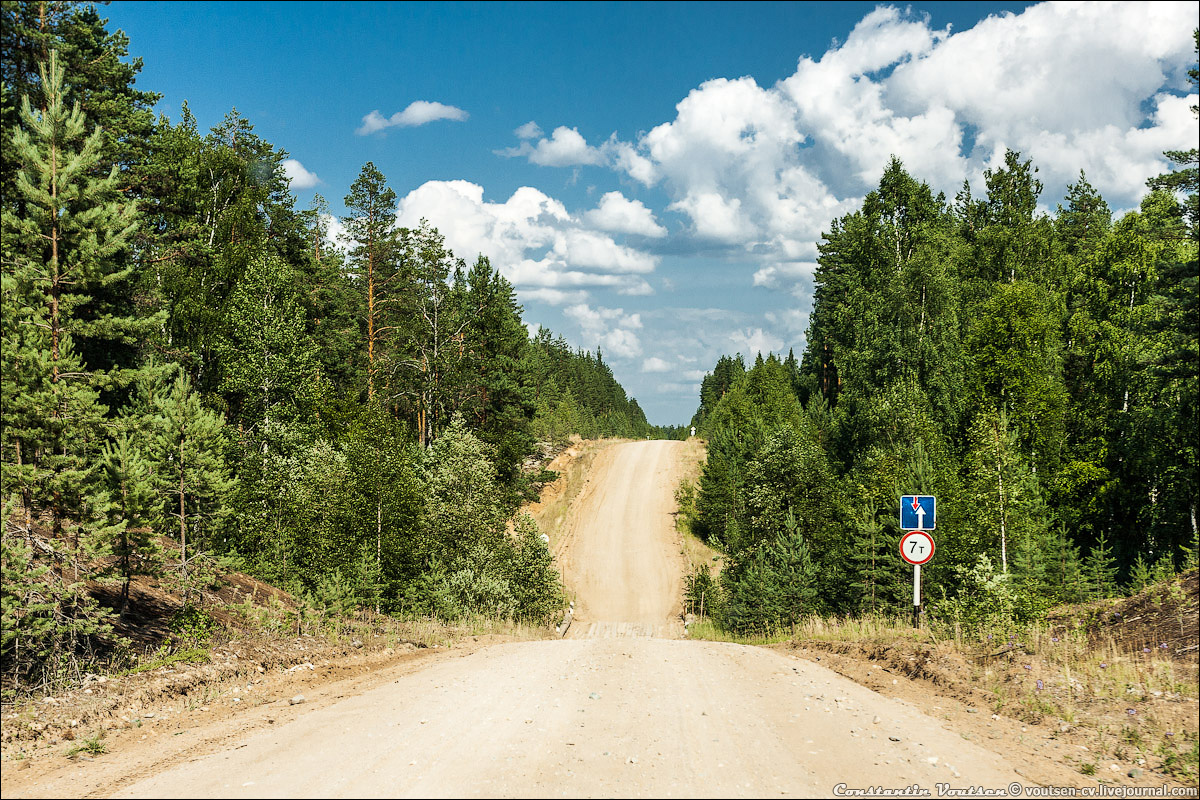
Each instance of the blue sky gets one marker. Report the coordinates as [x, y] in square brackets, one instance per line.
[654, 178]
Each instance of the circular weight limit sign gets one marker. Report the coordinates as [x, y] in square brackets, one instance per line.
[916, 547]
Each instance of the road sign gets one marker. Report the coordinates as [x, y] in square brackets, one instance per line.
[918, 512]
[916, 547]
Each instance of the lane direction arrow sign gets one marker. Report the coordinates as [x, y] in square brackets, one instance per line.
[918, 512]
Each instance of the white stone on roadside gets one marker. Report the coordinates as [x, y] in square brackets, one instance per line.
[297, 700]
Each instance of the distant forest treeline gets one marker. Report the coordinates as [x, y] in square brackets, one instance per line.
[187, 355]
[1037, 373]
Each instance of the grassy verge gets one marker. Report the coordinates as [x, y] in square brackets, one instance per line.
[696, 553]
[192, 655]
[553, 507]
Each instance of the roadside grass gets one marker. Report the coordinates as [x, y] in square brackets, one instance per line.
[553, 509]
[93, 745]
[705, 629]
[163, 657]
[695, 552]
[818, 629]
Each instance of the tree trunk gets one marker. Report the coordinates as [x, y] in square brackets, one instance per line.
[371, 311]
[1000, 482]
[378, 544]
[125, 565]
[182, 512]
[55, 288]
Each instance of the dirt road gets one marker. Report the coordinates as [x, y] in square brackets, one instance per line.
[647, 714]
[619, 556]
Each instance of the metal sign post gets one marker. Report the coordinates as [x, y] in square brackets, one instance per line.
[916, 595]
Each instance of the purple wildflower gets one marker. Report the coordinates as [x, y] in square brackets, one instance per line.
[1040, 685]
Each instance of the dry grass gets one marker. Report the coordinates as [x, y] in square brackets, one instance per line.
[573, 466]
[695, 552]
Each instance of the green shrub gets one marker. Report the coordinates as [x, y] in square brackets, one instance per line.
[985, 601]
[193, 624]
[702, 593]
[772, 586]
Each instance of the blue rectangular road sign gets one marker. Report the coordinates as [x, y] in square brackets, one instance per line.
[918, 512]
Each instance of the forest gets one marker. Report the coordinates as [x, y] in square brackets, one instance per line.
[1036, 373]
[196, 377]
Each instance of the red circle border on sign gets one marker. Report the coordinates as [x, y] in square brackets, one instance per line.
[932, 547]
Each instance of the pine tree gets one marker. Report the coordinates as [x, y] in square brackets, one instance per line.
[103, 80]
[26, 610]
[1141, 575]
[62, 248]
[372, 206]
[1100, 571]
[186, 442]
[133, 543]
[773, 585]
[498, 396]
[873, 563]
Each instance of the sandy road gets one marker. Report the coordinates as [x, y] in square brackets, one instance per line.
[599, 715]
[619, 557]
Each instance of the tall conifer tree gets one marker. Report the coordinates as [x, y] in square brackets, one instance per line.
[64, 247]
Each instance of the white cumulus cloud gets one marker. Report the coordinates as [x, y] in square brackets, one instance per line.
[566, 147]
[419, 112]
[751, 342]
[762, 170]
[619, 214]
[547, 253]
[610, 329]
[530, 130]
[299, 177]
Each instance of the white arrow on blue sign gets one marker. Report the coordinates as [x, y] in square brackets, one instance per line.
[918, 512]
